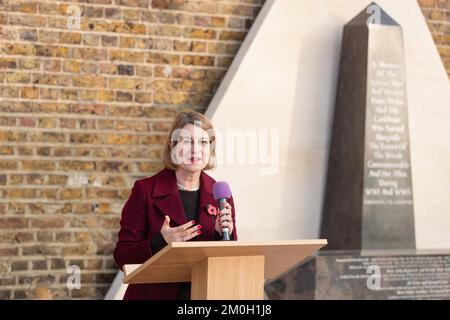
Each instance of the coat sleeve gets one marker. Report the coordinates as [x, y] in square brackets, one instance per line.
[133, 244]
[233, 216]
[233, 235]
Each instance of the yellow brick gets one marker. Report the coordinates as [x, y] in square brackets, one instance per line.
[70, 37]
[76, 165]
[446, 40]
[143, 97]
[91, 39]
[6, 150]
[224, 61]
[216, 48]
[163, 58]
[144, 71]
[95, 25]
[69, 94]
[89, 81]
[133, 3]
[8, 63]
[29, 93]
[87, 95]
[127, 42]
[19, 49]
[48, 223]
[47, 123]
[121, 139]
[232, 35]
[71, 66]
[165, 30]
[198, 46]
[49, 8]
[21, 193]
[198, 33]
[28, 20]
[149, 167]
[68, 194]
[48, 36]
[182, 45]
[217, 22]
[29, 63]
[8, 164]
[129, 56]
[52, 65]
[90, 54]
[16, 77]
[168, 4]
[47, 137]
[427, 3]
[198, 60]
[57, 22]
[173, 98]
[126, 83]
[37, 165]
[49, 107]
[124, 125]
[239, 10]
[444, 51]
[51, 79]
[10, 92]
[154, 139]
[52, 51]
[27, 7]
[49, 93]
[128, 27]
[106, 95]
[84, 138]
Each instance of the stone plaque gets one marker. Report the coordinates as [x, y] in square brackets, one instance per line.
[350, 275]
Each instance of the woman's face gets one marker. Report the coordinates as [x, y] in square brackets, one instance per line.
[192, 151]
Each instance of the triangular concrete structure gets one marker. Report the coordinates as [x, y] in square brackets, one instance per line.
[284, 78]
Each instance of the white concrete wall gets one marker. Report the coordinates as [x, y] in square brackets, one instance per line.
[284, 77]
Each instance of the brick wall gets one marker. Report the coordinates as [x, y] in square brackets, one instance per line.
[437, 13]
[84, 112]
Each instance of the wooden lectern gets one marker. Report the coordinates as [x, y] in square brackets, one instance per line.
[222, 270]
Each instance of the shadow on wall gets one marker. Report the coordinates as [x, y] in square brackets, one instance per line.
[313, 106]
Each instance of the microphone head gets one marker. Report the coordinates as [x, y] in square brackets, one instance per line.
[221, 190]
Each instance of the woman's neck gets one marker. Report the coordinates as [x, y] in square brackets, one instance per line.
[188, 180]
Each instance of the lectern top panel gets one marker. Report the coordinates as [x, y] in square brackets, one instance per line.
[175, 262]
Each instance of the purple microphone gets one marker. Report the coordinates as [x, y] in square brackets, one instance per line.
[221, 192]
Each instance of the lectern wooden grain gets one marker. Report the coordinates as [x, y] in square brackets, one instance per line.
[222, 270]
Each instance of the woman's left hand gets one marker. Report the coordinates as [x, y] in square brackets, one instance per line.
[224, 220]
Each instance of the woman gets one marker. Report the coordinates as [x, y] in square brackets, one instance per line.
[172, 205]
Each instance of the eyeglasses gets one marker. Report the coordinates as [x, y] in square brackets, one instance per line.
[187, 141]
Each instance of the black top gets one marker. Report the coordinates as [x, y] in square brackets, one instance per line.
[191, 202]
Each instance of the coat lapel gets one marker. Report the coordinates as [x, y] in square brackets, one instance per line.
[170, 204]
[206, 197]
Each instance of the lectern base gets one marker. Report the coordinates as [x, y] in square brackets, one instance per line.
[215, 278]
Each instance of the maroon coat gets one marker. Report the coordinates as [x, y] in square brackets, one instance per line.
[142, 218]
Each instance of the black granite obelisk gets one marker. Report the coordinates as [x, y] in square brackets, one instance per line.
[368, 199]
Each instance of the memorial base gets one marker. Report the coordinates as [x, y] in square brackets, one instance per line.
[375, 275]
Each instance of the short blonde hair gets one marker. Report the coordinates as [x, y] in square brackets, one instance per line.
[181, 120]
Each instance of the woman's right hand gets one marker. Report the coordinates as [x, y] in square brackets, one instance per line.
[184, 232]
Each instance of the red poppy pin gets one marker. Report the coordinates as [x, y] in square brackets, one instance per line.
[212, 211]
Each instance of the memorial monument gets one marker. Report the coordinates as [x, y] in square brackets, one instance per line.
[368, 211]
